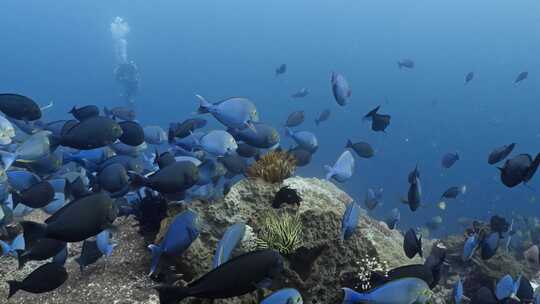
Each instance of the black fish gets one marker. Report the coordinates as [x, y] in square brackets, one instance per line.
[164, 159]
[300, 93]
[149, 212]
[76, 189]
[302, 156]
[412, 244]
[89, 255]
[325, 114]
[469, 77]
[414, 195]
[84, 112]
[246, 150]
[185, 128]
[499, 224]
[484, 295]
[525, 290]
[436, 262]
[68, 125]
[379, 122]
[235, 164]
[92, 133]
[39, 250]
[281, 69]
[418, 271]
[132, 133]
[286, 195]
[37, 196]
[362, 149]
[295, 119]
[520, 77]
[114, 179]
[236, 277]
[519, 169]
[130, 163]
[451, 192]
[405, 63]
[500, 153]
[19, 107]
[76, 221]
[171, 179]
[46, 278]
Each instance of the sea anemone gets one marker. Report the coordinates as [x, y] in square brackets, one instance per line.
[281, 232]
[274, 167]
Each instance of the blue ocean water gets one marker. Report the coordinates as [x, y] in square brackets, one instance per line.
[63, 51]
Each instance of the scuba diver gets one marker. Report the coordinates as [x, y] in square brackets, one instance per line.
[127, 75]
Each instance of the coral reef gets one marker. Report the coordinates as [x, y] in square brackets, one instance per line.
[273, 167]
[282, 232]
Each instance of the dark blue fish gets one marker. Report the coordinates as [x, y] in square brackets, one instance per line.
[520, 77]
[449, 159]
[183, 230]
[281, 69]
[230, 240]
[393, 219]
[469, 77]
[405, 63]
[402, 291]
[457, 292]
[500, 153]
[469, 247]
[303, 92]
[490, 245]
[507, 288]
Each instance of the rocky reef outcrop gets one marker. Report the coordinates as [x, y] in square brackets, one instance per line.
[318, 268]
[323, 263]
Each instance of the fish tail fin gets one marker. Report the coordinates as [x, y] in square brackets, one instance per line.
[288, 132]
[317, 122]
[33, 230]
[349, 144]
[16, 198]
[171, 294]
[399, 65]
[204, 105]
[329, 173]
[7, 159]
[107, 112]
[156, 254]
[21, 258]
[6, 248]
[352, 297]
[61, 257]
[14, 286]
[48, 106]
